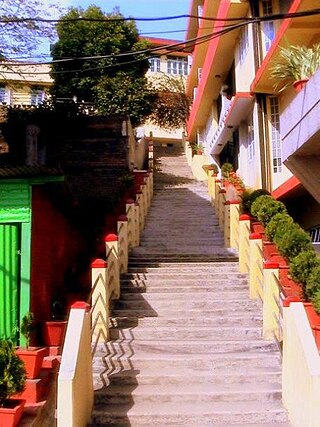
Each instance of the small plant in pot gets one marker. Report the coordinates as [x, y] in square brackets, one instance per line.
[32, 357]
[226, 169]
[248, 197]
[293, 241]
[302, 266]
[265, 207]
[12, 381]
[54, 330]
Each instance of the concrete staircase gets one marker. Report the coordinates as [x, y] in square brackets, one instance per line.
[186, 346]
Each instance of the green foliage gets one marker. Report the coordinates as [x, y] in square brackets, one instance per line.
[172, 105]
[12, 372]
[313, 287]
[296, 63]
[226, 168]
[214, 168]
[265, 207]
[293, 241]
[115, 84]
[303, 265]
[248, 197]
[277, 225]
[27, 327]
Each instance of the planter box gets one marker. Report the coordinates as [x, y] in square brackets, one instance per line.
[10, 416]
[32, 358]
[314, 320]
[269, 249]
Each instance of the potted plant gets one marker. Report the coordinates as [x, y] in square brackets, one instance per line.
[12, 381]
[226, 169]
[32, 357]
[248, 197]
[296, 65]
[301, 268]
[293, 241]
[54, 330]
[265, 207]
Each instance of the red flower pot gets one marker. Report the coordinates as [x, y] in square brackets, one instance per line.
[289, 286]
[11, 414]
[54, 332]
[276, 257]
[32, 358]
[268, 248]
[300, 84]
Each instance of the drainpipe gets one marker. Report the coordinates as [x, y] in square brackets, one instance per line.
[261, 103]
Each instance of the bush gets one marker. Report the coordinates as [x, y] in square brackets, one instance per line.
[313, 284]
[265, 207]
[248, 197]
[214, 168]
[293, 241]
[316, 301]
[12, 372]
[278, 225]
[226, 168]
[302, 266]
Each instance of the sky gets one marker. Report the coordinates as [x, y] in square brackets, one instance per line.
[146, 9]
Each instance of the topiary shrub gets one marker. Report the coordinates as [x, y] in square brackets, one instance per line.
[313, 285]
[316, 301]
[226, 168]
[12, 372]
[293, 241]
[265, 207]
[277, 225]
[302, 266]
[248, 197]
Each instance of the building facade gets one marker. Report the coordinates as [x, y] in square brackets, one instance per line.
[239, 112]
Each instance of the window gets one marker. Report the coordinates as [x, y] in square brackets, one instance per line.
[177, 65]
[244, 44]
[37, 95]
[154, 65]
[268, 27]
[251, 147]
[3, 97]
[275, 134]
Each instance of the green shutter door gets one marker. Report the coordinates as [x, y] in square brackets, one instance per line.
[9, 279]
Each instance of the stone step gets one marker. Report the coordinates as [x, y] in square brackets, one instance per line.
[200, 269]
[180, 333]
[174, 393]
[147, 302]
[183, 414]
[183, 313]
[191, 347]
[234, 320]
[219, 363]
[141, 287]
[178, 257]
[166, 293]
[184, 274]
[194, 376]
[222, 280]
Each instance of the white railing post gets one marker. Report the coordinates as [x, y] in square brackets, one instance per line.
[244, 233]
[131, 229]
[137, 224]
[100, 300]
[141, 209]
[221, 208]
[271, 299]
[112, 252]
[75, 379]
[122, 228]
[231, 224]
[255, 266]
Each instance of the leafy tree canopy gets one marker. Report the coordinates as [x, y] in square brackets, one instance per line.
[115, 84]
[21, 38]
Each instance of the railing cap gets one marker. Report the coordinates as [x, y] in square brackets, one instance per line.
[232, 202]
[269, 265]
[111, 238]
[130, 201]
[139, 192]
[244, 217]
[255, 236]
[81, 305]
[99, 263]
[123, 218]
[222, 191]
[288, 300]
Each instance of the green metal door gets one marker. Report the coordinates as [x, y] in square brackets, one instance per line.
[9, 279]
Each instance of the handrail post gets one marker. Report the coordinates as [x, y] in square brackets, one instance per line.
[150, 154]
[244, 232]
[255, 265]
[112, 247]
[151, 183]
[131, 229]
[217, 188]
[122, 226]
[221, 214]
[141, 210]
[137, 224]
[271, 294]
[100, 300]
[231, 224]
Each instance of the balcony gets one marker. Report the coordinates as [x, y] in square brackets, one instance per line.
[233, 112]
[300, 132]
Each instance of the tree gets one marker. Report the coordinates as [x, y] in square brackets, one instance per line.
[115, 84]
[172, 105]
[23, 37]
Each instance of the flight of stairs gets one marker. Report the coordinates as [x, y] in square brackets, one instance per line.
[186, 347]
[186, 350]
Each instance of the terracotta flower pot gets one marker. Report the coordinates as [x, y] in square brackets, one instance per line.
[11, 414]
[268, 248]
[289, 286]
[54, 332]
[300, 84]
[257, 227]
[314, 320]
[32, 358]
